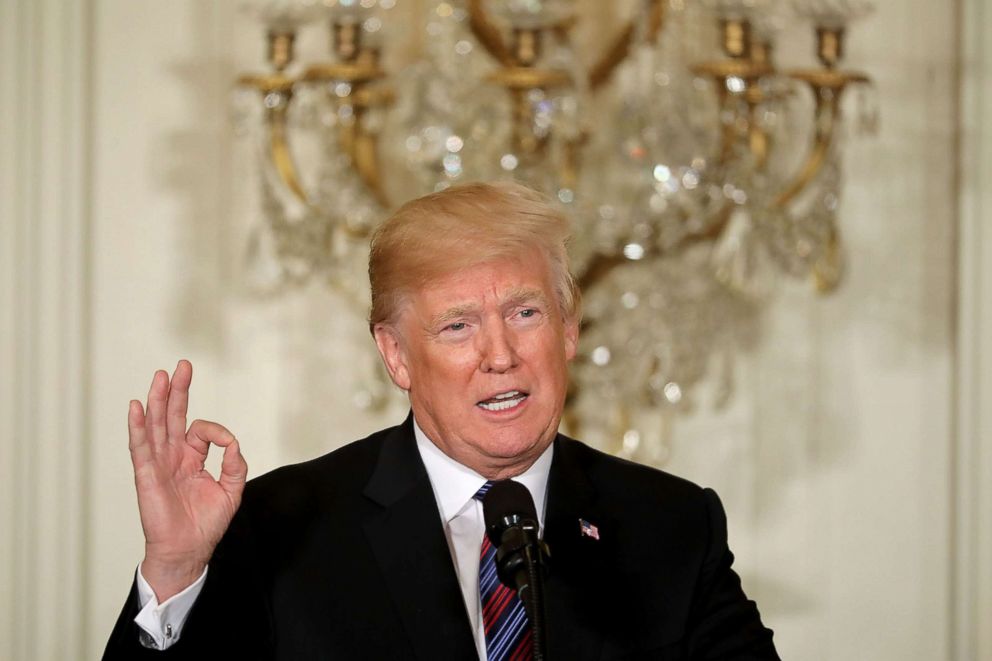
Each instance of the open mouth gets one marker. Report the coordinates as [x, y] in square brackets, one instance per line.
[503, 401]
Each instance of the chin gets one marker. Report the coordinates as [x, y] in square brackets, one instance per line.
[507, 444]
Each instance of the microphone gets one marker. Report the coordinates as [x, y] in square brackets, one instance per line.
[521, 556]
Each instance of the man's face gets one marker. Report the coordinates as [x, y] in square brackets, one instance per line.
[484, 353]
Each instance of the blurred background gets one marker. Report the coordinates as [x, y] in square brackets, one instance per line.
[174, 185]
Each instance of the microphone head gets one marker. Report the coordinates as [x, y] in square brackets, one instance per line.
[507, 503]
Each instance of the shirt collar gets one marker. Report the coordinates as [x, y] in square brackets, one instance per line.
[454, 484]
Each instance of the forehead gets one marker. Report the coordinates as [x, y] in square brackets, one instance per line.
[493, 281]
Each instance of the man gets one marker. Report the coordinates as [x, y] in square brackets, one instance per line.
[375, 551]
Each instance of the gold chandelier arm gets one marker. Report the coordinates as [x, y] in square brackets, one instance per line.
[728, 139]
[598, 268]
[829, 268]
[365, 156]
[721, 72]
[487, 33]
[757, 136]
[282, 157]
[620, 48]
[815, 161]
[571, 159]
[275, 120]
[362, 145]
[715, 227]
[827, 86]
[355, 140]
[602, 264]
[758, 142]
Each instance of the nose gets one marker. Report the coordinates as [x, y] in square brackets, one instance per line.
[497, 349]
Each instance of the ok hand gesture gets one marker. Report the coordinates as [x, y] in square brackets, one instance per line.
[184, 510]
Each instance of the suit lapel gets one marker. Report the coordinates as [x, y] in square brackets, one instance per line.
[410, 548]
[575, 600]
[412, 552]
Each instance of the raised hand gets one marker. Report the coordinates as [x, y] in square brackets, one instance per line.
[184, 510]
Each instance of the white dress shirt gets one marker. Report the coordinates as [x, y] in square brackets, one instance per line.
[162, 623]
[454, 486]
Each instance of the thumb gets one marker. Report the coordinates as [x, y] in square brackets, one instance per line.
[233, 471]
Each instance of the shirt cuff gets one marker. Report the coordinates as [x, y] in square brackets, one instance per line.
[162, 624]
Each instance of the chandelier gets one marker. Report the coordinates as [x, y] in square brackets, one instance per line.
[694, 168]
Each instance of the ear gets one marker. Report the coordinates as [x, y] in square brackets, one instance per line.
[388, 341]
[571, 337]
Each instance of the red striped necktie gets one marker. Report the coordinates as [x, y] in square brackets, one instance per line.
[508, 636]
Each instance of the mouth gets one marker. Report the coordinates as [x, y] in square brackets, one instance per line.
[503, 401]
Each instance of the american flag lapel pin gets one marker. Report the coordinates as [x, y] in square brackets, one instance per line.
[586, 529]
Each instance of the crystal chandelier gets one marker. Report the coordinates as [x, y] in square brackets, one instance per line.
[694, 168]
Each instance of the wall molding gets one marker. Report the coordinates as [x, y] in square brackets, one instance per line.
[971, 605]
[45, 125]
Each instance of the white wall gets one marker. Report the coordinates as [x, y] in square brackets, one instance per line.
[850, 461]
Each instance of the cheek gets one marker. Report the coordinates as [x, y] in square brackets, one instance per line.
[446, 367]
[556, 347]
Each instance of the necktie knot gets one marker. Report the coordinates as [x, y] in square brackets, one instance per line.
[483, 490]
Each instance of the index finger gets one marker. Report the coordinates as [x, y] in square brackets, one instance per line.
[178, 402]
[203, 432]
[137, 436]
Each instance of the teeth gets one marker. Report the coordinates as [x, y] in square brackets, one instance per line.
[507, 395]
[501, 405]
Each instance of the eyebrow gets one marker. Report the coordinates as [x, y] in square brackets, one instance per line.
[515, 296]
[451, 314]
[520, 295]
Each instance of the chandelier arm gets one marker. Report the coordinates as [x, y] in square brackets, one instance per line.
[365, 156]
[487, 33]
[758, 139]
[602, 264]
[826, 113]
[728, 138]
[571, 161]
[729, 132]
[279, 87]
[281, 155]
[722, 73]
[713, 229]
[355, 140]
[620, 48]
[598, 268]
[829, 269]
[828, 86]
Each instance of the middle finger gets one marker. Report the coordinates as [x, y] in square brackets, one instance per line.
[158, 396]
[178, 401]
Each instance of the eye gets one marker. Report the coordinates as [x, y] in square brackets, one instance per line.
[528, 314]
[455, 331]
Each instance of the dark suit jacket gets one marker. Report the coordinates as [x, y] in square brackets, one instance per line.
[344, 557]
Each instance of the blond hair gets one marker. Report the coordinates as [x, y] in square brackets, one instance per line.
[463, 226]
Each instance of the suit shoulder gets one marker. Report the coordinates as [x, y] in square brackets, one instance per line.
[637, 482]
[645, 503]
[294, 487]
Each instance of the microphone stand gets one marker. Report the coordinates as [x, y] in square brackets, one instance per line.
[524, 556]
